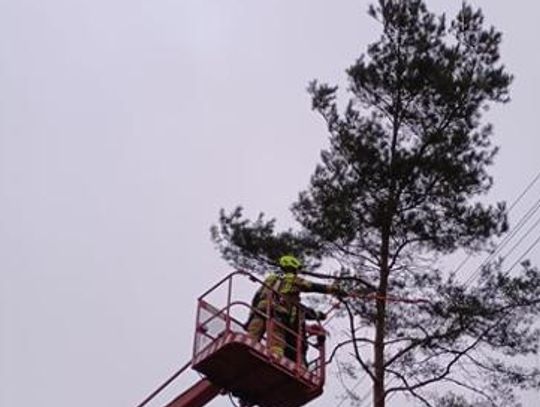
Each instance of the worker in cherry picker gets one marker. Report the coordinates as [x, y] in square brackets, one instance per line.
[283, 291]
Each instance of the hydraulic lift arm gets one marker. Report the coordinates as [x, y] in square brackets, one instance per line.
[197, 395]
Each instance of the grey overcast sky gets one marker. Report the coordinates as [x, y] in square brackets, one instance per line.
[126, 125]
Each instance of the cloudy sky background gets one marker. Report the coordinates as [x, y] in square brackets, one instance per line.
[126, 125]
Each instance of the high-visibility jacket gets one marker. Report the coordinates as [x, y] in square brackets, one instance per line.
[284, 289]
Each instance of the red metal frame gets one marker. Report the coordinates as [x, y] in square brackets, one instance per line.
[198, 395]
[220, 336]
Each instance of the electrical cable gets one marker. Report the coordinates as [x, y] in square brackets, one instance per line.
[536, 178]
[524, 219]
[514, 203]
[522, 256]
[521, 223]
[522, 238]
[358, 383]
[362, 399]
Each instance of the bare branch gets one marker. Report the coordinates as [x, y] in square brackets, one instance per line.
[344, 343]
[355, 345]
[448, 368]
[409, 388]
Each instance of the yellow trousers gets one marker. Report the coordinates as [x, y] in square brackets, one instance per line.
[276, 338]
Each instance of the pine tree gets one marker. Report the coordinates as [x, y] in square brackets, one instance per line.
[398, 188]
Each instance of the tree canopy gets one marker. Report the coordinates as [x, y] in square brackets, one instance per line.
[401, 185]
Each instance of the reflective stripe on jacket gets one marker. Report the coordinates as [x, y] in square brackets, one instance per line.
[288, 286]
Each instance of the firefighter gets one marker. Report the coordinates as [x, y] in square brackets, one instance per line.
[279, 299]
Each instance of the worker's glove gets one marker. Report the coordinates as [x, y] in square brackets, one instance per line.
[321, 316]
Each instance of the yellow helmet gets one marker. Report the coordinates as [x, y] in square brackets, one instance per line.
[289, 262]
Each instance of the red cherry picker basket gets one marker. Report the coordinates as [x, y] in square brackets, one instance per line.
[232, 361]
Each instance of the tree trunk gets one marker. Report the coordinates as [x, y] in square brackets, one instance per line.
[380, 322]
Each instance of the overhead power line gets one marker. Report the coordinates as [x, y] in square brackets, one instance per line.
[527, 188]
[521, 223]
[514, 203]
[527, 233]
[519, 226]
[523, 255]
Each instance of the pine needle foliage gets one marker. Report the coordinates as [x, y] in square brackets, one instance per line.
[400, 186]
